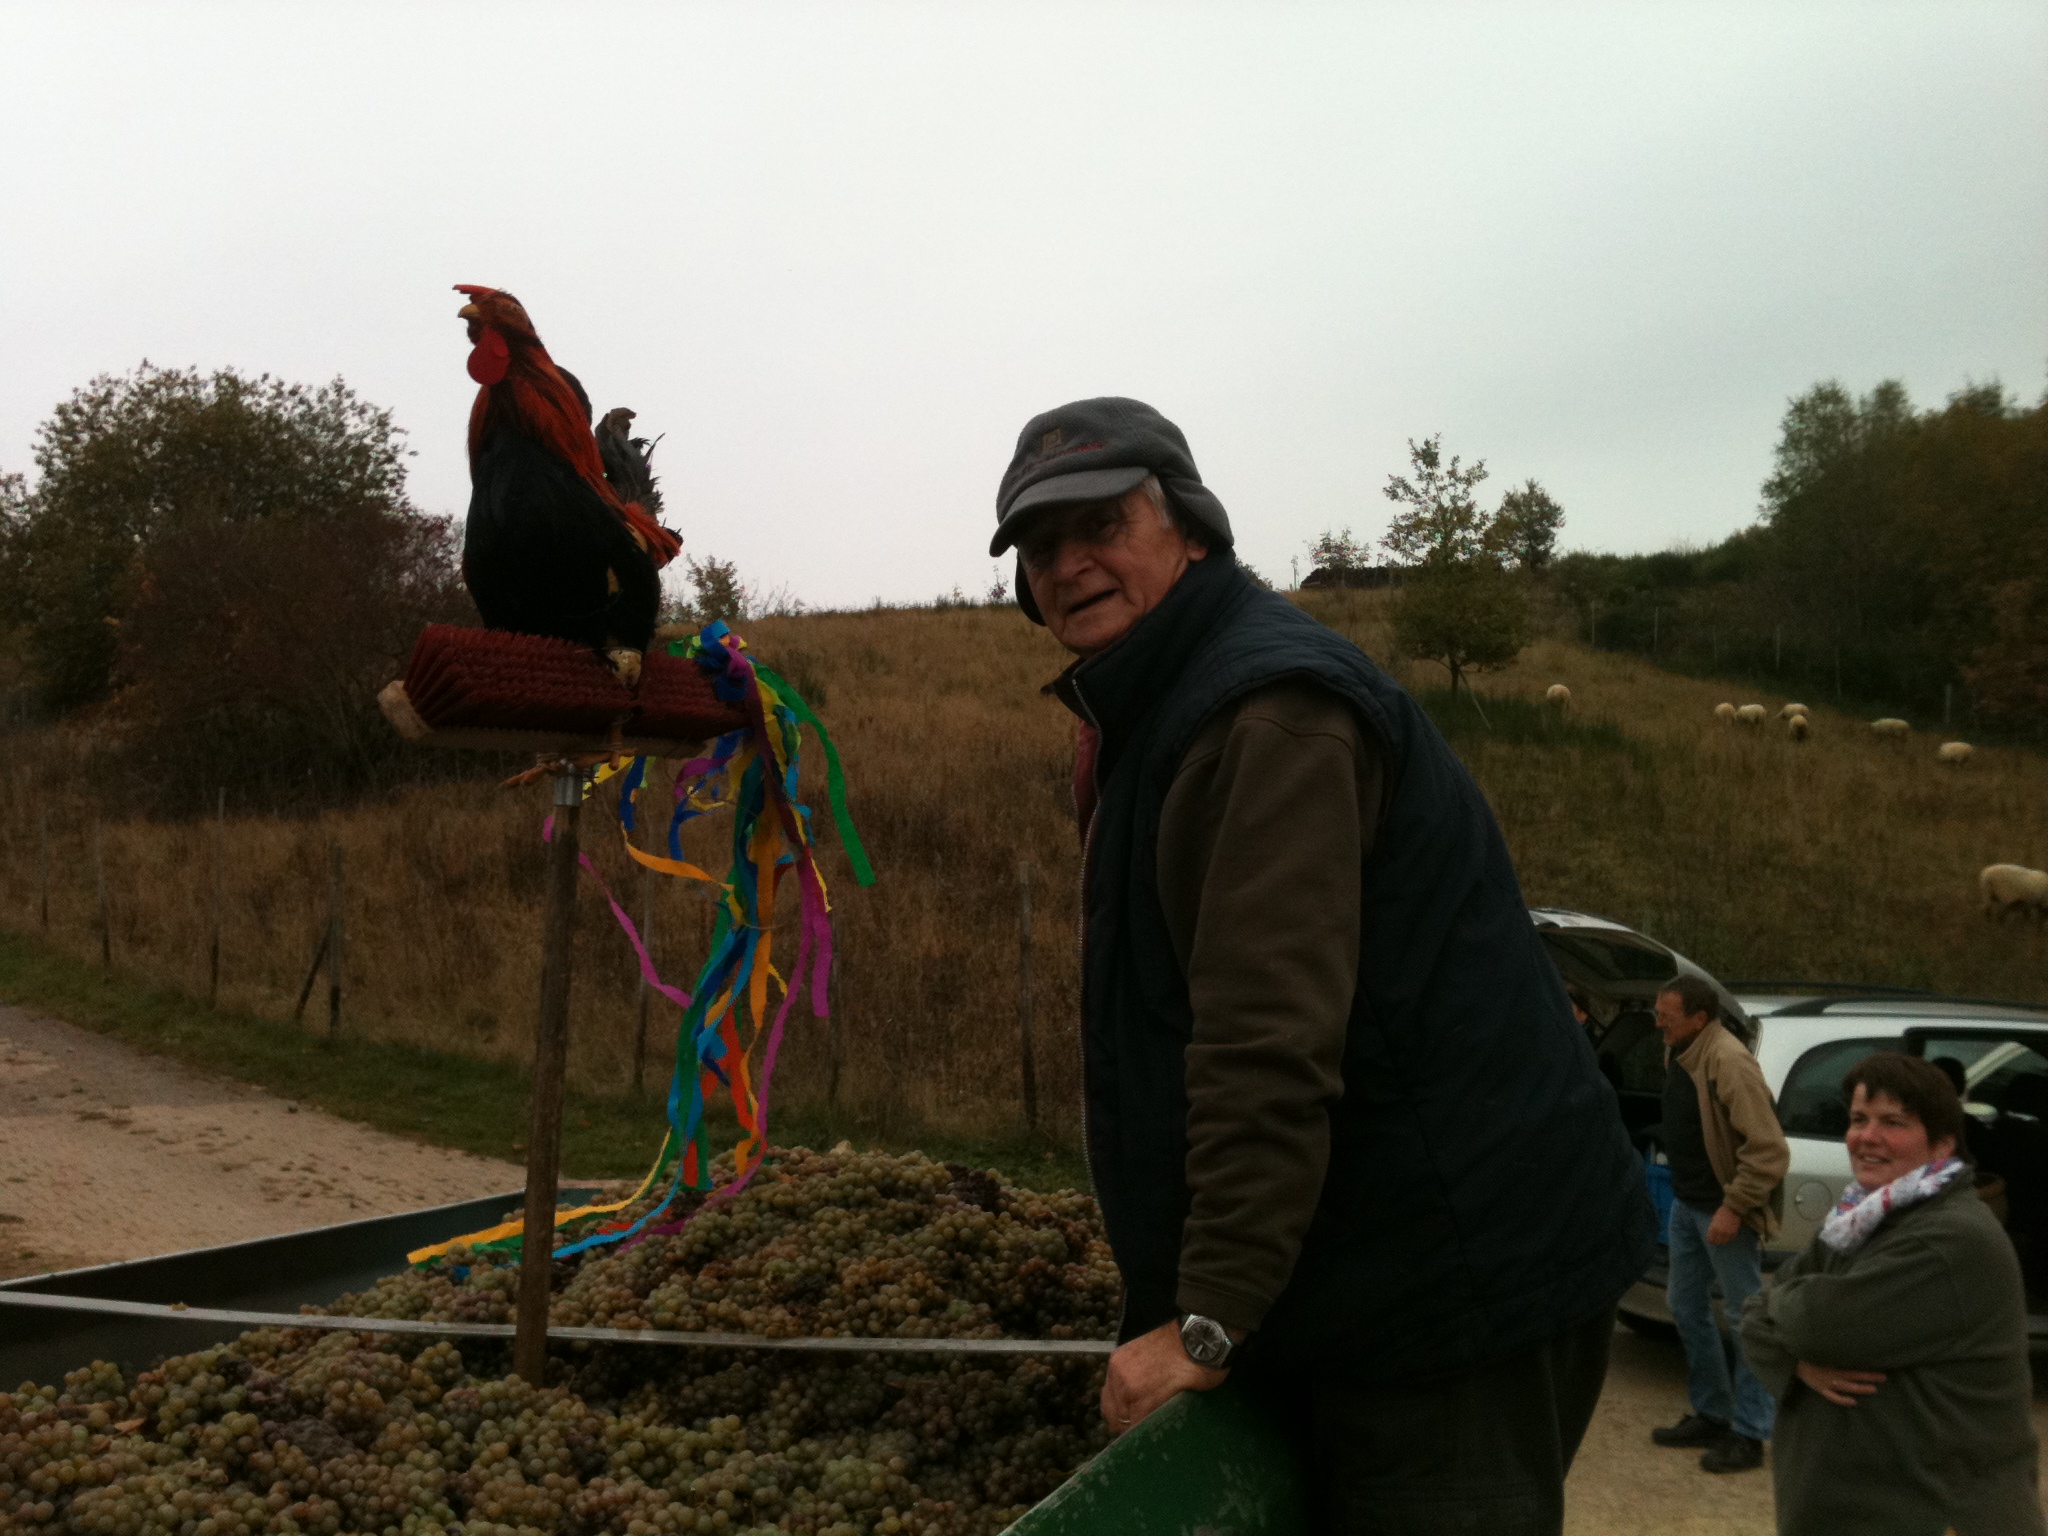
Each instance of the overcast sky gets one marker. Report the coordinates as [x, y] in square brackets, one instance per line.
[839, 253]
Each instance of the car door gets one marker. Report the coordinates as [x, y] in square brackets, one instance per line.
[2004, 1074]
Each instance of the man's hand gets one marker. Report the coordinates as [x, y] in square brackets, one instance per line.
[1144, 1373]
[1723, 1228]
[1841, 1388]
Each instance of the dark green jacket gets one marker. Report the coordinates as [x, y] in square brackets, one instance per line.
[1933, 1299]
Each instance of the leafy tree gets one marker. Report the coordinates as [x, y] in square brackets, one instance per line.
[720, 592]
[1525, 528]
[1337, 551]
[1441, 523]
[256, 649]
[128, 458]
[1473, 613]
[1459, 606]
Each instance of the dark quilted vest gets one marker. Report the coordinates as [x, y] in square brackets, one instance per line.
[1482, 1195]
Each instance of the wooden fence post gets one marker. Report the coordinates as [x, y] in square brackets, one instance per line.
[220, 825]
[334, 950]
[832, 1044]
[99, 870]
[1025, 1055]
[44, 838]
[550, 1059]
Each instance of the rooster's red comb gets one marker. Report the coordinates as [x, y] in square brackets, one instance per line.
[475, 290]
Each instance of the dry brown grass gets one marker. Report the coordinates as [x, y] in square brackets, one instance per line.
[1845, 858]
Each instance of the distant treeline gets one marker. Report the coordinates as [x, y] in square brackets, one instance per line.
[1900, 561]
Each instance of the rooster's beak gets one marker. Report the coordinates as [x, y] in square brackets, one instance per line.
[469, 312]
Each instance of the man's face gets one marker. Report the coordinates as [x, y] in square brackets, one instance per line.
[1098, 567]
[1674, 1023]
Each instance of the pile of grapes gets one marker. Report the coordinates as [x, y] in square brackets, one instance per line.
[332, 1432]
[819, 1245]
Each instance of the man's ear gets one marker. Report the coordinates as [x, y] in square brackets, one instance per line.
[1197, 550]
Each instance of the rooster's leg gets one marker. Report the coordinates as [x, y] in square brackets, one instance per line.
[625, 665]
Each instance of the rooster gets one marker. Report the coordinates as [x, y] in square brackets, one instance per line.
[563, 537]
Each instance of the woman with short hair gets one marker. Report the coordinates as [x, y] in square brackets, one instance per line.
[1897, 1341]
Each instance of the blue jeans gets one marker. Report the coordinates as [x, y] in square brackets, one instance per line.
[1717, 1379]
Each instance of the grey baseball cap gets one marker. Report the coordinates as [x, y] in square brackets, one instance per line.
[1093, 450]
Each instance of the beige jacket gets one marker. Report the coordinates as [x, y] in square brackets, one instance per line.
[1739, 1124]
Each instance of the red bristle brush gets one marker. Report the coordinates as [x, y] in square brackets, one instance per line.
[491, 688]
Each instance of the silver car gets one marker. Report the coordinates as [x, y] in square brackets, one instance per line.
[1806, 1036]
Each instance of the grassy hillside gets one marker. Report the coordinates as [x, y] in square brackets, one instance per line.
[1844, 859]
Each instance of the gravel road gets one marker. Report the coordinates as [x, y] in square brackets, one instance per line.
[110, 1153]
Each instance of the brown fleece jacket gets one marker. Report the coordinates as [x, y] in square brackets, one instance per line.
[1262, 840]
[1739, 1124]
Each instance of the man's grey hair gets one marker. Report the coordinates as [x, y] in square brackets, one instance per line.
[1170, 514]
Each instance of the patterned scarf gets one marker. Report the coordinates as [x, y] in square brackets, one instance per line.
[1857, 1214]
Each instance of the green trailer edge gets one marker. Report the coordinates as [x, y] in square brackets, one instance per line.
[1206, 1464]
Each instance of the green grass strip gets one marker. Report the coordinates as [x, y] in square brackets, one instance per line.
[448, 1101]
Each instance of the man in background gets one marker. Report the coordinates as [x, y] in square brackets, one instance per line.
[1728, 1159]
[1348, 1140]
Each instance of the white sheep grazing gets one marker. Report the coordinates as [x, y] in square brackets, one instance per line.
[2010, 888]
[1558, 695]
[1725, 713]
[1750, 714]
[1789, 710]
[1797, 728]
[1954, 753]
[1891, 728]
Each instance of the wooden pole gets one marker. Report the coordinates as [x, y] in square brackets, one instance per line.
[1025, 1055]
[832, 1045]
[44, 838]
[550, 1058]
[646, 992]
[334, 949]
[312, 974]
[99, 872]
[220, 832]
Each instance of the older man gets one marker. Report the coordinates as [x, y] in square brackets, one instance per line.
[1344, 1130]
[1728, 1159]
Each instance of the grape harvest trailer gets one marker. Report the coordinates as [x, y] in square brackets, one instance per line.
[1205, 1465]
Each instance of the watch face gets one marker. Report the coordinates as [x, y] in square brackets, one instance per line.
[1205, 1341]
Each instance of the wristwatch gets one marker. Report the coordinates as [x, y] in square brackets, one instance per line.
[1205, 1341]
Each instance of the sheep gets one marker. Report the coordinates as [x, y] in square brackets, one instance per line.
[1891, 729]
[1725, 713]
[1788, 711]
[1558, 695]
[1750, 714]
[1797, 728]
[1954, 753]
[2010, 888]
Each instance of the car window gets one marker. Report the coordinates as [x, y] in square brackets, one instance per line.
[2009, 1076]
[1615, 956]
[1811, 1102]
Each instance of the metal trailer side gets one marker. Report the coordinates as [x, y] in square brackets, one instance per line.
[1206, 1464]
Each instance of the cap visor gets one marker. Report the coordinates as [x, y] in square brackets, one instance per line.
[1060, 491]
